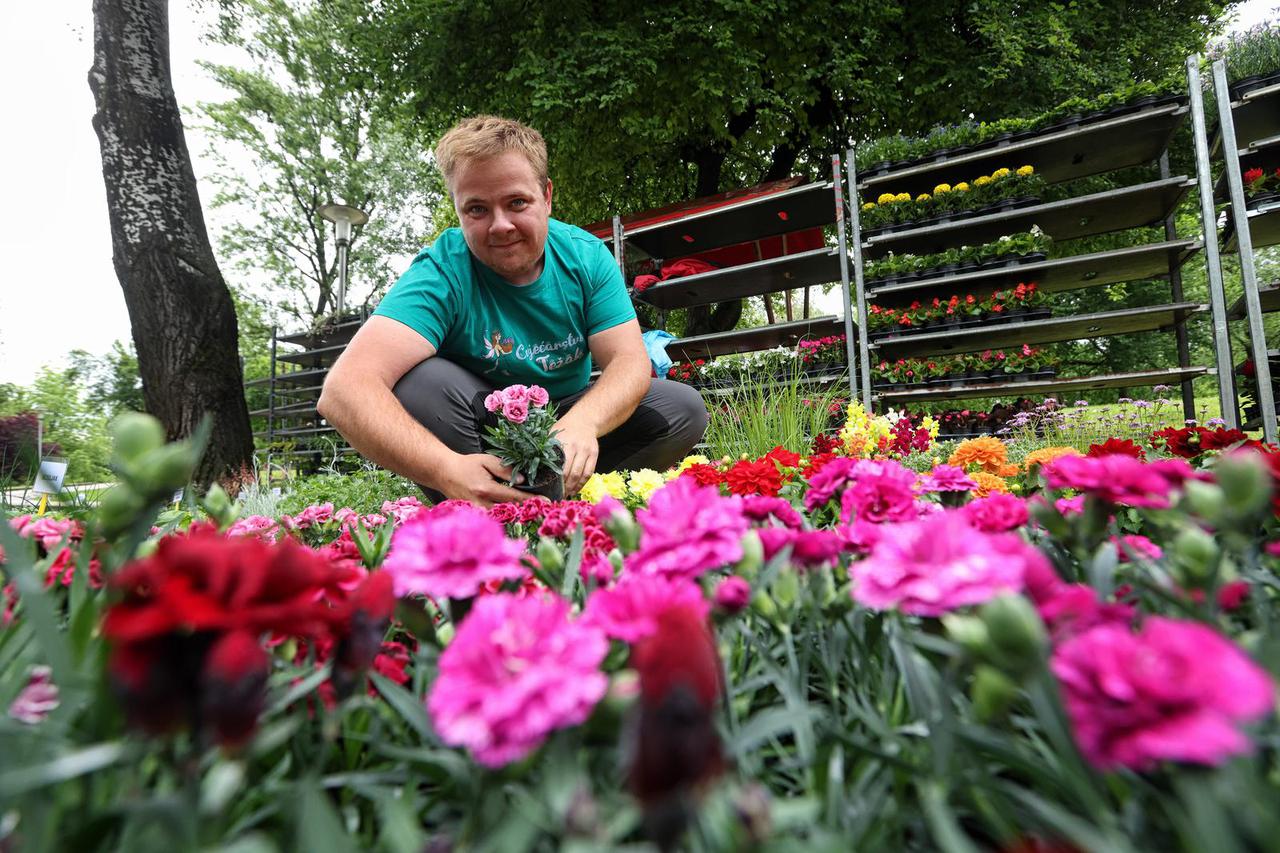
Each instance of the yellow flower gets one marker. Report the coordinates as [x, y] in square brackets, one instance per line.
[1026, 170]
[644, 483]
[942, 188]
[902, 197]
[999, 173]
[981, 181]
[928, 423]
[695, 459]
[885, 198]
[961, 187]
[1045, 455]
[987, 484]
[598, 485]
[871, 205]
[923, 197]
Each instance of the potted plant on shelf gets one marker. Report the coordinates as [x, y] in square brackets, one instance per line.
[525, 439]
[1261, 186]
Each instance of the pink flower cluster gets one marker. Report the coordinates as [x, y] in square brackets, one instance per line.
[1172, 691]
[47, 531]
[688, 530]
[514, 401]
[402, 510]
[880, 491]
[451, 555]
[1120, 479]
[629, 609]
[939, 563]
[517, 670]
[810, 549]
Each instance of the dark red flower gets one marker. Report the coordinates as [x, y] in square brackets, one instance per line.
[1184, 442]
[362, 619]
[1221, 438]
[824, 443]
[758, 477]
[1117, 447]
[234, 686]
[1233, 594]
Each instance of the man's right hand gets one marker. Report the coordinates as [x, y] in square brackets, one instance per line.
[475, 477]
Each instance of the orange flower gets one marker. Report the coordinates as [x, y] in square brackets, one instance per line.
[988, 484]
[985, 454]
[1045, 455]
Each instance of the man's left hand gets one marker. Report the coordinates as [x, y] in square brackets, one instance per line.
[581, 450]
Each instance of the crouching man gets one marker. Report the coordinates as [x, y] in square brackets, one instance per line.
[511, 296]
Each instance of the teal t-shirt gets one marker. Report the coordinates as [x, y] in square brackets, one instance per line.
[534, 334]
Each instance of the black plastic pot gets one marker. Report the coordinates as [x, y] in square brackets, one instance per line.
[1253, 202]
[550, 487]
[1244, 85]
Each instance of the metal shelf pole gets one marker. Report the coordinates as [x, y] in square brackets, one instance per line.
[1212, 259]
[850, 354]
[1244, 242]
[855, 217]
[1175, 290]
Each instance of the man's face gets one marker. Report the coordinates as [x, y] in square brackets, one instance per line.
[504, 210]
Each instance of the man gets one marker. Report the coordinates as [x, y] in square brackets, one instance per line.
[511, 296]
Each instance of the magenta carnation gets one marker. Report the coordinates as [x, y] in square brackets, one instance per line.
[1173, 691]
[810, 549]
[1119, 479]
[827, 483]
[517, 670]
[947, 478]
[882, 491]
[629, 609]
[688, 529]
[1132, 545]
[999, 512]
[763, 507]
[452, 554]
[939, 563]
[733, 594]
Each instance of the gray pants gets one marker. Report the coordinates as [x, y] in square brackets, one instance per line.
[449, 401]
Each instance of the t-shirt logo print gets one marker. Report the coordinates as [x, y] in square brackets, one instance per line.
[496, 346]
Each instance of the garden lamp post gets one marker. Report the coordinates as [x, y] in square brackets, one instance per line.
[343, 218]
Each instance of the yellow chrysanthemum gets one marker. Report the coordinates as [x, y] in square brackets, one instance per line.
[988, 484]
[643, 483]
[902, 197]
[598, 485]
[871, 205]
[981, 181]
[961, 187]
[1026, 170]
[942, 188]
[984, 453]
[923, 197]
[695, 459]
[999, 173]
[1045, 455]
[885, 198]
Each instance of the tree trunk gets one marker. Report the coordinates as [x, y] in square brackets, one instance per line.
[180, 311]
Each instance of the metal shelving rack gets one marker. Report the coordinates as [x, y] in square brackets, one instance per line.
[1248, 134]
[799, 208]
[1119, 140]
[297, 375]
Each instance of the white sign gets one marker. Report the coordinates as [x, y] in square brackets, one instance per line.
[49, 477]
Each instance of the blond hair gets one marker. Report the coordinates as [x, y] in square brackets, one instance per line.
[481, 137]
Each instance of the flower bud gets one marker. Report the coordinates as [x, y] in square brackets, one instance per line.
[624, 687]
[991, 693]
[165, 469]
[135, 434]
[752, 556]
[1205, 500]
[1245, 483]
[762, 604]
[1196, 556]
[117, 509]
[1017, 634]
[621, 525]
[549, 555]
[786, 587]
[968, 632]
[444, 633]
[615, 560]
[732, 595]
[219, 506]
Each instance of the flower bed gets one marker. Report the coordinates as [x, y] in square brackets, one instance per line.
[1022, 302]
[850, 647]
[1009, 250]
[1003, 189]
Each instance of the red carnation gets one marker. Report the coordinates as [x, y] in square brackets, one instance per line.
[233, 686]
[1117, 447]
[704, 474]
[1221, 438]
[1252, 175]
[1184, 442]
[758, 477]
[824, 443]
[784, 457]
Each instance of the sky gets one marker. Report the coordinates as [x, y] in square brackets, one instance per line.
[59, 289]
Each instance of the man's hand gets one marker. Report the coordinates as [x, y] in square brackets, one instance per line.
[471, 477]
[581, 450]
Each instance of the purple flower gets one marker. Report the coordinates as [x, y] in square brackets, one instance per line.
[947, 478]
[931, 567]
[1174, 691]
[37, 699]
[687, 530]
[629, 609]
[517, 670]
[451, 555]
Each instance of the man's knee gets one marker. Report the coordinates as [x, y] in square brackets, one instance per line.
[688, 412]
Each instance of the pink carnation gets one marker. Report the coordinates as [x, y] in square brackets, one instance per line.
[46, 530]
[517, 670]
[947, 478]
[516, 411]
[493, 402]
[688, 529]
[312, 515]
[538, 395]
[629, 609]
[881, 492]
[827, 482]
[810, 549]
[733, 594]
[504, 513]
[763, 508]
[939, 563]
[255, 525]
[403, 509]
[452, 554]
[1174, 691]
[516, 394]
[1073, 608]
[1119, 479]
[860, 536]
[999, 512]
[1137, 546]
[37, 699]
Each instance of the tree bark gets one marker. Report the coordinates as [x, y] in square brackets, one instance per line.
[180, 311]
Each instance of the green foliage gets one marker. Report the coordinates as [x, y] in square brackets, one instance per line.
[302, 112]
[1023, 243]
[774, 406]
[1253, 52]
[530, 449]
[364, 491]
[111, 381]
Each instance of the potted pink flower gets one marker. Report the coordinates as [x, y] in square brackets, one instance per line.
[525, 439]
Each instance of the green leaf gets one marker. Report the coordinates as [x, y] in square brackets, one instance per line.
[410, 709]
[90, 759]
[318, 829]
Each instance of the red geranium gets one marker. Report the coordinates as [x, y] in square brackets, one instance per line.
[1117, 447]
[185, 632]
[758, 477]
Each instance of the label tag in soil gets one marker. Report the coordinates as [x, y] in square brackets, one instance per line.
[49, 478]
